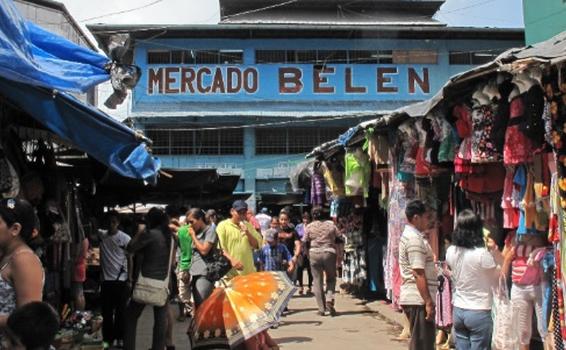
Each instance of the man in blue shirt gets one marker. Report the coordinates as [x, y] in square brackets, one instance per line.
[275, 256]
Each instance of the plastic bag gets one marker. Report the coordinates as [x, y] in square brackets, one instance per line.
[505, 331]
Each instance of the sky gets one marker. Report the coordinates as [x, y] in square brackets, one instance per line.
[469, 13]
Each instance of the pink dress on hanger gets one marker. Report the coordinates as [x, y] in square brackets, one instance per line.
[517, 148]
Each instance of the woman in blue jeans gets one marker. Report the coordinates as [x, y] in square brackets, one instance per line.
[474, 271]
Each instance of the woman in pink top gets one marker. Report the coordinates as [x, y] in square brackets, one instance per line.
[523, 254]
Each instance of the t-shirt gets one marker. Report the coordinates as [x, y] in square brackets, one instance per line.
[198, 266]
[289, 242]
[186, 247]
[321, 235]
[473, 277]
[415, 253]
[113, 257]
[272, 257]
[155, 249]
[237, 245]
[264, 221]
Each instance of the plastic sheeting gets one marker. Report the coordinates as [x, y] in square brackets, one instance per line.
[32, 55]
[87, 128]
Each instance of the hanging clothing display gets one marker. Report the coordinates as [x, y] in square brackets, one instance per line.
[400, 193]
[357, 173]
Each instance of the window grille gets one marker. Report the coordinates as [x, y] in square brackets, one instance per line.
[362, 57]
[332, 57]
[270, 56]
[168, 141]
[271, 141]
[293, 140]
[158, 57]
[231, 57]
[207, 57]
[459, 57]
[307, 56]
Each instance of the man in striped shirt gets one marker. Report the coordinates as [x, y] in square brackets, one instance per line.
[416, 262]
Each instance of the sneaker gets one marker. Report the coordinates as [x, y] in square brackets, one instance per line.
[275, 325]
[301, 292]
[321, 313]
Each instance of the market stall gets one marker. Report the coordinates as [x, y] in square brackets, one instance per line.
[492, 140]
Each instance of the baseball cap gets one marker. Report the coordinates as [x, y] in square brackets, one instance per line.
[264, 210]
[240, 205]
[270, 235]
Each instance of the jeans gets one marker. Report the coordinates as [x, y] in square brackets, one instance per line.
[473, 329]
[114, 297]
[323, 264]
[202, 288]
[133, 312]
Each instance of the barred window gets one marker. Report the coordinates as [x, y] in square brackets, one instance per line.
[293, 140]
[271, 141]
[158, 57]
[168, 141]
[363, 57]
[270, 56]
[231, 56]
[472, 58]
[332, 57]
[207, 57]
[181, 142]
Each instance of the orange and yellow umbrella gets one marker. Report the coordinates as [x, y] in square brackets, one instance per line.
[240, 309]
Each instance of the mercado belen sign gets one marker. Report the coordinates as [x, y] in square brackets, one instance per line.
[303, 81]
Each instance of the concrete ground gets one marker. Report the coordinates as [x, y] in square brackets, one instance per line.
[357, 326]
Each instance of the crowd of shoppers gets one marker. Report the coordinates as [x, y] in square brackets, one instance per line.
[476, 267]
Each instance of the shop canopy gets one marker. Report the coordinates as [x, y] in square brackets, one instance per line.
[37, 71]
[85, 127]
[549, 52]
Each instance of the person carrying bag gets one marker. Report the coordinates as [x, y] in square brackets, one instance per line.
[156, 246]
[152, 291]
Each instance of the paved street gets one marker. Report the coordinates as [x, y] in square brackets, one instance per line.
[355, 327]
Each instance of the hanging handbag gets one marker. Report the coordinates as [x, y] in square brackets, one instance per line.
[152, 291]
[217, 265]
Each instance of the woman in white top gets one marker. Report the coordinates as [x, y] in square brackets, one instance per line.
[474, 271]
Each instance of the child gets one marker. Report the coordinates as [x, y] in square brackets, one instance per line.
[32, 326]
[275, 256]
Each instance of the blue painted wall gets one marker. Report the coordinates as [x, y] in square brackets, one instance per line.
[268, 172]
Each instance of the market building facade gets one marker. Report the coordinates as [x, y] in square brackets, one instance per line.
[253, 94]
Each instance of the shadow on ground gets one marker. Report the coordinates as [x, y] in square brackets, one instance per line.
[290, 340]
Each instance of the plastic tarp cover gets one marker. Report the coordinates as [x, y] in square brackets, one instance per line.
[32, 55]
[87, 128]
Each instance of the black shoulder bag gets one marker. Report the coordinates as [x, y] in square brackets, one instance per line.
[217, 265]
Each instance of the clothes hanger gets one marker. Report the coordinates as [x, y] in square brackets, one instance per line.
[491, 90]
[479, 96]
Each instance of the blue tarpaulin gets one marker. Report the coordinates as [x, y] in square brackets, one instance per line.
[32, 55]
[89, 129]
[39, 68]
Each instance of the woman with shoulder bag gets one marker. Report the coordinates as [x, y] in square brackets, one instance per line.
[155, 246]
[205, 243]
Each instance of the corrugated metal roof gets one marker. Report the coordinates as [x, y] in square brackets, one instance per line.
[244, 11]
[290, 31]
